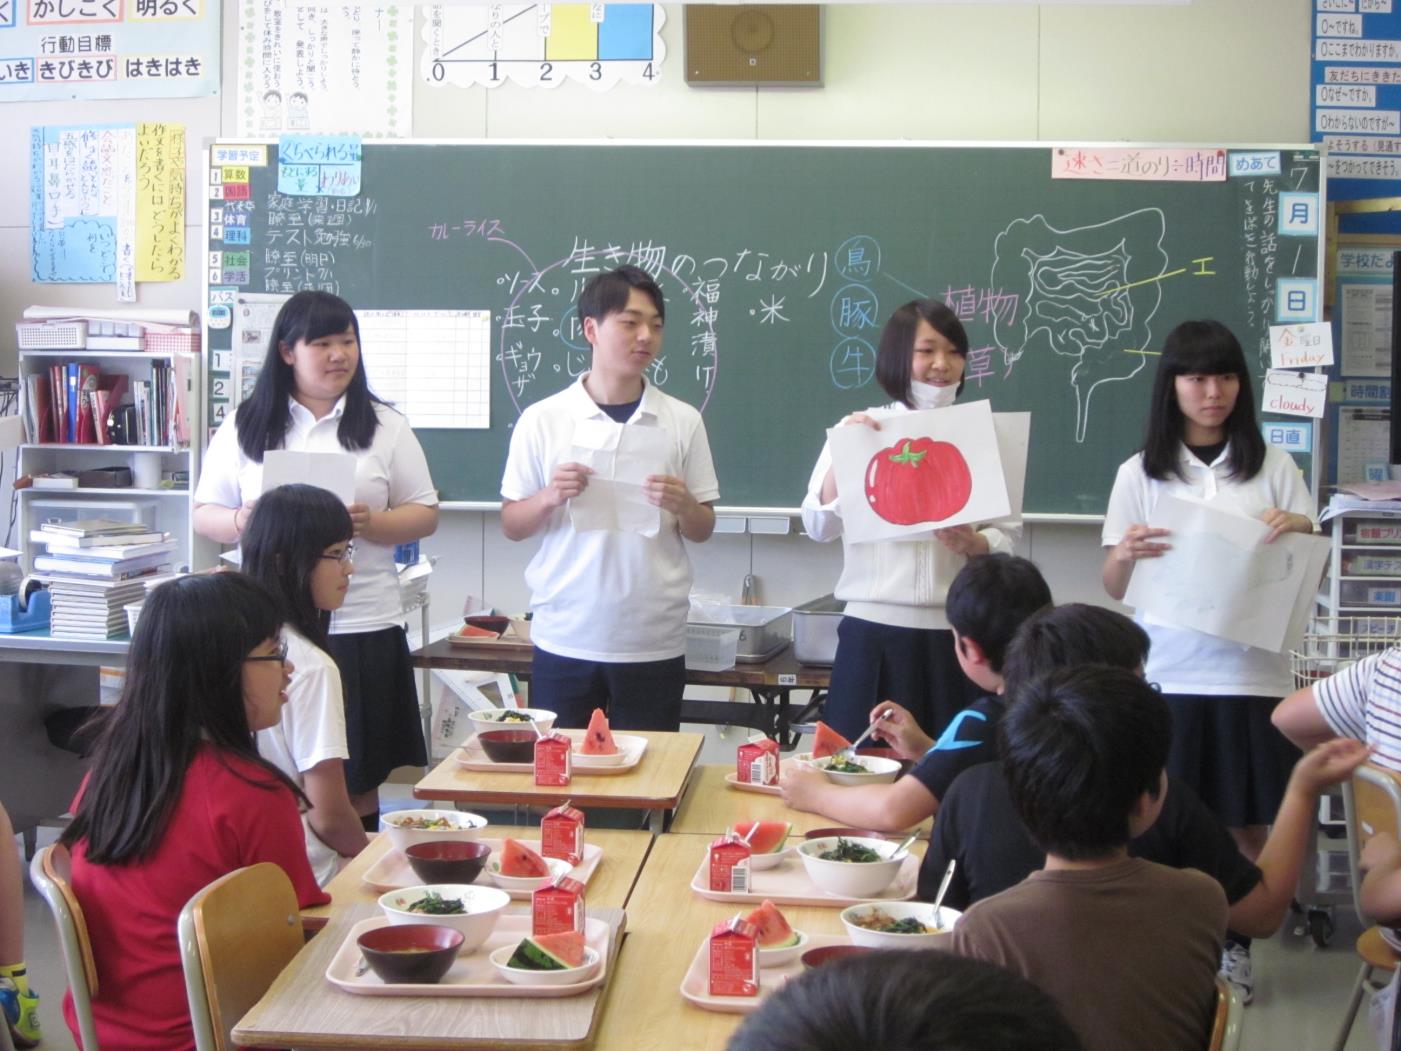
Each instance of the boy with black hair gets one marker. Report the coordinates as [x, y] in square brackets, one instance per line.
[987, 601]
[610, 604]
[978, 826]
[1127, 948]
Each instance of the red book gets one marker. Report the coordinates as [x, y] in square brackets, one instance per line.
[43, 408]
[58, 387]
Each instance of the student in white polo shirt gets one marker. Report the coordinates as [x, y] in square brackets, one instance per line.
[610, 603]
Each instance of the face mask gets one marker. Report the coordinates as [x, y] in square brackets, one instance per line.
[928, 396]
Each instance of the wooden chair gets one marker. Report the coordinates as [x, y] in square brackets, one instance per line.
[51, 871]
[236, 935]
[1225, 1024]
[1372, 801]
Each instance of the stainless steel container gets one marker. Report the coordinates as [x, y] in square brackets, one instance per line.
[815, 630]
[763, 630]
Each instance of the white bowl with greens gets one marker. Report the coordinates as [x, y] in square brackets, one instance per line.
[851, 867]
[856, 769]
[510, 718]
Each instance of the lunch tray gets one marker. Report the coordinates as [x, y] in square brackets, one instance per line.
[471, 974]
[471, 757]
[732, 779]
[393, 872]
[788, 883]
[696, 985]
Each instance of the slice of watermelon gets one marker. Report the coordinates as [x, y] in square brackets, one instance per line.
[530, 955]
[566, 946]
[768, 837]
[827, 741]
[519, 860]
[774, 931]
[598, 739]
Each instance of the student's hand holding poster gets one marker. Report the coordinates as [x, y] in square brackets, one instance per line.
[921, 471]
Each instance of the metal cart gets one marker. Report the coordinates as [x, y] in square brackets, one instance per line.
[1332, 643]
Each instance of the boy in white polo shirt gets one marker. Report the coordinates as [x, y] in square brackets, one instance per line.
[610, 600]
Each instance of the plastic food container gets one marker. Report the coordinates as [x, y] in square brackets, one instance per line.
[763, 630]
[709, 648]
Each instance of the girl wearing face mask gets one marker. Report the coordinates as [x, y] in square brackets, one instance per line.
[894, 641]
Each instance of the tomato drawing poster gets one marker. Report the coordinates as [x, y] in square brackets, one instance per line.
[920, 471]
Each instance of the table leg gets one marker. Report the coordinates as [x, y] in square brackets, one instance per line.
[656, 821]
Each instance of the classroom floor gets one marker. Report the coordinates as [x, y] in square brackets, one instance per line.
[1300, 990]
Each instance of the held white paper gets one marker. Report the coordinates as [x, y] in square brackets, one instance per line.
[921, 470]
[334, 472]
[1013, 440]
[1301, 346]
[1221, 578]
[622, 458]
[1295, 393]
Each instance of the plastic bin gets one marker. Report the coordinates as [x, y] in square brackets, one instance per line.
[710, 648]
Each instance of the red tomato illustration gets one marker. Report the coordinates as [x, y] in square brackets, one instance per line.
[918, 480]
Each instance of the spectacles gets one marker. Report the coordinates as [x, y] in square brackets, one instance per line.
[1156, 687]
[345, 556]
[280, 655]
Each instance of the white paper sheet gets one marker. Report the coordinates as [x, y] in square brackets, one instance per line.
[1295, 393]
[1013, 440]
[334, 472]
[622, 458]
[1301, 346]
[1220, 577]
[894, 483]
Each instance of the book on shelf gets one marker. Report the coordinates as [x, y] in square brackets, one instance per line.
[56, 480]
[86, 527]
[124, 569]
[109, 547]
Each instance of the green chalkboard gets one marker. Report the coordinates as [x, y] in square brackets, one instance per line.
[780, 264]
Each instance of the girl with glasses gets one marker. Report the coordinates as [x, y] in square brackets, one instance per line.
[178, 796]
[298, 545]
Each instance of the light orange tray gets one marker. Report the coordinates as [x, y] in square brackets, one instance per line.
[393, 872]
[471, 757]
[788, 883]
[696, 985]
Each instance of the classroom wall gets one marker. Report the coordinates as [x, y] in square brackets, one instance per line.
[1210, 71]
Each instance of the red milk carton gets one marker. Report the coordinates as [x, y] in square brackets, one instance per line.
[734, 958]
[562, 834]
[553, 763]
[557, 907]
[729, 865]
[757, 762]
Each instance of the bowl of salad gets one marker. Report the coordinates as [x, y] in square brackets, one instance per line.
[856, 769]
[510, 719]
[464, 907]
[407, 827]
[850, 867]
[898, 924]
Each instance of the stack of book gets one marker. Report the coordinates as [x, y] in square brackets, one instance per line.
[95, 568]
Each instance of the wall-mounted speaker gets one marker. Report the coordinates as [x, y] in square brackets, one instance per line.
[747, 44]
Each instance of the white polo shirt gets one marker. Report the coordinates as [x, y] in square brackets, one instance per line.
[390, 473]
[1190, 662]
[604, 595]
[311, 730]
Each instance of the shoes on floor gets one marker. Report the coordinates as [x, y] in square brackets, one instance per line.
[21, 1014]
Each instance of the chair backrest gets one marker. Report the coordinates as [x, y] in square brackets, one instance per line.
[52, 873]
[236, 936]
[1225, 1025]
[1372, 803]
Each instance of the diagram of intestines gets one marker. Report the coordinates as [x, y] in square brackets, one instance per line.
[1089, 293]
[1234, 571]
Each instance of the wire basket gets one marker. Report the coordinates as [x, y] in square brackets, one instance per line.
[1333, 643]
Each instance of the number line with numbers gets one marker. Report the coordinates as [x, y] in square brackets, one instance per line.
[483, 33]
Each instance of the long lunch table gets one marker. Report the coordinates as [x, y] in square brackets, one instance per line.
[644, 1009]
[771, 683]
[655, 785]
[623, 854]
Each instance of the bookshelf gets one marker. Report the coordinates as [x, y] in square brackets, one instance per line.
[149, 499]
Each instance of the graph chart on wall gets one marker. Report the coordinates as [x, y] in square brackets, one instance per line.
[542, 45]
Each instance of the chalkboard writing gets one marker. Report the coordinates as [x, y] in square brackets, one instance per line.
[780, 264]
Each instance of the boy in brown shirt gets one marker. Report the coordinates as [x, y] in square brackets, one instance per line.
[1127, 948]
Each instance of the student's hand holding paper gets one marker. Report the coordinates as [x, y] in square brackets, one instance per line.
[963, 540]
[829, 484]
[1281, 522]
[1140, 541]
[359, 518]
[567, 482]
[669, 493]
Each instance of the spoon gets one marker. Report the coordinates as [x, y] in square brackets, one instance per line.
[904, 847]
[850, 750]
[943, 887]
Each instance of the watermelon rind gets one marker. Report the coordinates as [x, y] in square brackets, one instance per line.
[530, 955]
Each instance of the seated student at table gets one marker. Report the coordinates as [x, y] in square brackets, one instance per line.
[978, 826]
[610, 604]
[298, 545]
[1127, 948]
[19, 1002]
[910, 1001]
[987, 602]
[178, 796]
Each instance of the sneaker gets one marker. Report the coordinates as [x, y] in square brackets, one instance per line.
[21, 1014]
[1235, 968]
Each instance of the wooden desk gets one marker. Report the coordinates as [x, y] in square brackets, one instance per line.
[645, 1010]
[771, 684]
[612, 882]
[710, 806]
[655, 784]
[302, 1009]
